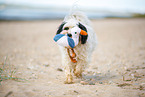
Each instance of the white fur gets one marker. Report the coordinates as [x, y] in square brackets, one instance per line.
[83, 51]
[75, 37]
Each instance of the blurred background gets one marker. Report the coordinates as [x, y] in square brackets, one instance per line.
[57, 9]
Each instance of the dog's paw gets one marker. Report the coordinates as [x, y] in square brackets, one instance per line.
[69, 79]
[78, 74]
[68, 82]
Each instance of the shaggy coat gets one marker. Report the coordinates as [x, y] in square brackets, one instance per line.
[84, 48]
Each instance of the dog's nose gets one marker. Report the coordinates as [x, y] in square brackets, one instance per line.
[70, 35]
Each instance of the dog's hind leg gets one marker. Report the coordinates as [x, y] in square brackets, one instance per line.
[80, 66]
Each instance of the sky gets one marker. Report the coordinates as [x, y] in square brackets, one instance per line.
[112, 5]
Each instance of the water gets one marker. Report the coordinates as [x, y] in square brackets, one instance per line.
[48, 9]
[14, 13]
[30, 14]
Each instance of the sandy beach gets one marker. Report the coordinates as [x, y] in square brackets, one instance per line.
[32, 61]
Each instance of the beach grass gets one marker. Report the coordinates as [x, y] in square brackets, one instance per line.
[7, 73]
[139, 15]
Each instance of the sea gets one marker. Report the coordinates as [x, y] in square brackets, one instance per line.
[57, 9]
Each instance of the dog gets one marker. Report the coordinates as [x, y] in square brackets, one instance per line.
[75, 60]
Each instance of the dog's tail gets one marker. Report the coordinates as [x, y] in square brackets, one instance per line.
[77, 15]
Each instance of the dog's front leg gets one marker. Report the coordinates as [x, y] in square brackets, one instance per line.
[80, 66]
[67, 67]
[68, 73]
[69, 78]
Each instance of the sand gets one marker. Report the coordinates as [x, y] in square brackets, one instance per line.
[117, 68]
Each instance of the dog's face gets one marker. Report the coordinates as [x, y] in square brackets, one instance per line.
[65, 28]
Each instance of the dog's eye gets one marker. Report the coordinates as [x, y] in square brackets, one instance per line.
[66, 28]
[75, 32]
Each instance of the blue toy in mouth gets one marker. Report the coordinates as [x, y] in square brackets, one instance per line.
[64, 40]
[71, 39]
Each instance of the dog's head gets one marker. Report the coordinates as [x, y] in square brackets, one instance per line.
[65, 28]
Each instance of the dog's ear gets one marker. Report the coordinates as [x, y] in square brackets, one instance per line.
[60, 28]
[83, 33]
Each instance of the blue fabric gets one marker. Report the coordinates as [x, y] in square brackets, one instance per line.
[71, 42]
[57, 37]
